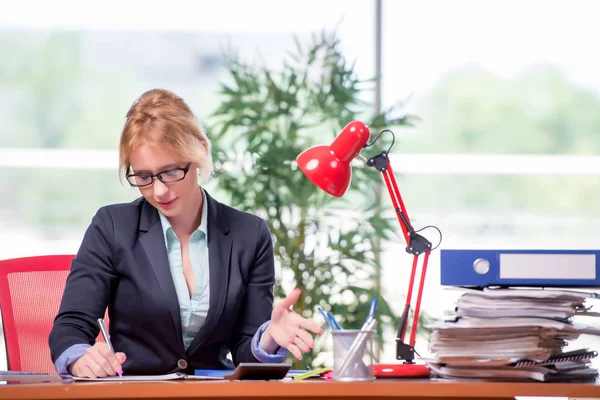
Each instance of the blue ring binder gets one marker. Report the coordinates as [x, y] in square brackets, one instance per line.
[536, 268]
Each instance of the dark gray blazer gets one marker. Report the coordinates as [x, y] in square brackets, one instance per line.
[122, 263]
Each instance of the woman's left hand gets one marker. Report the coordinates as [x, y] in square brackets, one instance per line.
[288, 328]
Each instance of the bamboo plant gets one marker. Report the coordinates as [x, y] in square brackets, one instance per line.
[324, 245]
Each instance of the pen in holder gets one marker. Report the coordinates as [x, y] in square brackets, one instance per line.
[354, 362]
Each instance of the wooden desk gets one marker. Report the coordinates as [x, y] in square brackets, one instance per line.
[289, 390]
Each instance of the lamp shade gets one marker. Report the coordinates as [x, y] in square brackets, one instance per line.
[328, 166]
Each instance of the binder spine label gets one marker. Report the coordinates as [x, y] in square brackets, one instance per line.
[547, 266]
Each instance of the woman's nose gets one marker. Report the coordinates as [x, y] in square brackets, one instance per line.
[159, 188]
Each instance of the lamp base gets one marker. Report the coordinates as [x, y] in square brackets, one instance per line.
[401, 370]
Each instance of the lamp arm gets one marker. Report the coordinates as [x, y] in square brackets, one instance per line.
[416, 245]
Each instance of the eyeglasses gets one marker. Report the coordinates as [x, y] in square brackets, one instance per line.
[167, 176]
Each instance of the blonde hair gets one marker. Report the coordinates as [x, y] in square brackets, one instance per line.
[161, 117]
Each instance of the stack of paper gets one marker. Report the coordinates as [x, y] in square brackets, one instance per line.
[513, 334]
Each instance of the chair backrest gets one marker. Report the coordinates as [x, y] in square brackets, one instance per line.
[31, 289]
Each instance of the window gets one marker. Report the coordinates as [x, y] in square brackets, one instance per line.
[505, 155]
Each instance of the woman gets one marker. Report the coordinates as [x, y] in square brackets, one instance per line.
[186, 279]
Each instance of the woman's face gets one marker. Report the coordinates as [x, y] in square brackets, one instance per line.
[169, 198]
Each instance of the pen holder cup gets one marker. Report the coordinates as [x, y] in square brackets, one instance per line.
[353, 355]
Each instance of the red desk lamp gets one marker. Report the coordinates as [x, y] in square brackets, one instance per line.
[329, 168]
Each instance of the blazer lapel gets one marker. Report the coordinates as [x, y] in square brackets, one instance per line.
[219, 254]
[153, 243]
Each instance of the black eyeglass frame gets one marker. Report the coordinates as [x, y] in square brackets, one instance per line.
[158, 175]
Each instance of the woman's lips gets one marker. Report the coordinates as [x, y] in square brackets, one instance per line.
[167, 203]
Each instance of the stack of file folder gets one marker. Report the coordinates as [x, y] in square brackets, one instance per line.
[514, 334]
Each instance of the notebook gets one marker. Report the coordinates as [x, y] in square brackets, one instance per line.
[164, 377]
[567, 357]
[246, 371]
[536, 373]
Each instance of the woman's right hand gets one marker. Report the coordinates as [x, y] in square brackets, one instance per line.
[98, 362]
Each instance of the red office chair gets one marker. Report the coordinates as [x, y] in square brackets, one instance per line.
[31, 289]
